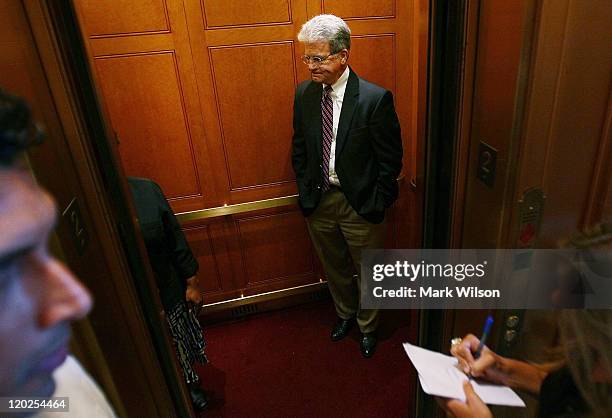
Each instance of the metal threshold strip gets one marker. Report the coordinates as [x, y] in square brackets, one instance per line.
[262, 297]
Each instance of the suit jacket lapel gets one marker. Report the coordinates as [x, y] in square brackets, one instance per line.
[349, 103]
[312, 109]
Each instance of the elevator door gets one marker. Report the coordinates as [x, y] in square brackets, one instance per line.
[200, 96]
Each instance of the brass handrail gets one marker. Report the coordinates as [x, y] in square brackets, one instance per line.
[237, 208]
[225, 210]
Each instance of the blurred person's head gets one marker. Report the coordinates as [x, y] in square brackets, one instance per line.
[39, 296]
[587, 340]
[586, 335]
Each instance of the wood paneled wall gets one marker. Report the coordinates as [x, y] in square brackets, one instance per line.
[496, 74]
[555, 135]
[567, 135]
[200, 95]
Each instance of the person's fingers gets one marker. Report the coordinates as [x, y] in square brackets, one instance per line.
[463, 354]
[463, 365]
[484, 362]
[473, 407]
[471, 342]
[468, 389]
[477, 408]
[466, 352]
[461, 362]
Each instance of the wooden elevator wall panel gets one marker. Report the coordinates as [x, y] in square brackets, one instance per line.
[254, 86]
[148, 114]
[350, 9]
[364, 52]
[282, 241]
[227, 13]
[567, 137]
[215, 245]
[124, 16]
[247, 68]
[496, 70]
[201, 243]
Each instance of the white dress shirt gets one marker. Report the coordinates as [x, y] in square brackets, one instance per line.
[86, 399]
[337, 96]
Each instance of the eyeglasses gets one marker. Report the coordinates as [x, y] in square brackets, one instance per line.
[316, 60]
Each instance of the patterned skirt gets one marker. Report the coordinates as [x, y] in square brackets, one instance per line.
[188, 339]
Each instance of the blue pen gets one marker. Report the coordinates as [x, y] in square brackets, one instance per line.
[485, 333]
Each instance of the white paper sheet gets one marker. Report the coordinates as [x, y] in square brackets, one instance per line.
[440, 376]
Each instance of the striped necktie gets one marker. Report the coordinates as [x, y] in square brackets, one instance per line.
[327, 115]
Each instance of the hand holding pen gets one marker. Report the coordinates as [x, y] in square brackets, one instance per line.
[475, 358]
[478, 361]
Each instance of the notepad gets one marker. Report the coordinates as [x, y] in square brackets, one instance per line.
[440, 376]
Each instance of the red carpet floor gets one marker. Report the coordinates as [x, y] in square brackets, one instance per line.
[283, 364]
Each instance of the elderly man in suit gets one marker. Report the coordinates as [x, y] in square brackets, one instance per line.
[347, 154]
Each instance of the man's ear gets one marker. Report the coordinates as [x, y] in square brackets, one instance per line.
[345, 55]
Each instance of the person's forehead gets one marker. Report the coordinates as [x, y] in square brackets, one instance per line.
[27, 212]
[318, 47]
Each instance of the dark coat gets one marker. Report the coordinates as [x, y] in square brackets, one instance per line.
[560, 397]
[171, 258]
[368, 147]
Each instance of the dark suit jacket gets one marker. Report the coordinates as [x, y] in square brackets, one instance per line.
[368, 147]
[171, 258]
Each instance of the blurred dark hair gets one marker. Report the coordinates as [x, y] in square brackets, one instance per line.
[17, 129]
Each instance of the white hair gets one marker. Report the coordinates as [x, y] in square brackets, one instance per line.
[327, 28]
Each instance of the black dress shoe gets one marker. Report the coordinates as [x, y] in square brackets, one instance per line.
[341, 329]
[368, 344]
[199, 398]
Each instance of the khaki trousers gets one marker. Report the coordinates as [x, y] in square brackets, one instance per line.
[339, 235]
